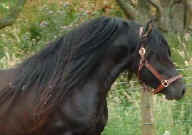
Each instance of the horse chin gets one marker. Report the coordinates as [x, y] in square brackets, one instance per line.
[169, 97]
[172, 97]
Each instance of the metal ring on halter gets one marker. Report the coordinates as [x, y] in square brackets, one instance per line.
[142, 51]
[165, 83]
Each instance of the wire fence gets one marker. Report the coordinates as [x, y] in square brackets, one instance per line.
[169, 117]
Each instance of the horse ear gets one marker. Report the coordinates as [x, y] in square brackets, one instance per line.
[148, 28]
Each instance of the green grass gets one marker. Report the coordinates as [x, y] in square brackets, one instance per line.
[169, 116]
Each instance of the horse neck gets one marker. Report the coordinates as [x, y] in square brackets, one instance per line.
[110, 68]
[117, 60]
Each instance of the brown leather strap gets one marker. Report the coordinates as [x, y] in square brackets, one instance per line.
[173, 79]
[168, 82]
[158, 89]
[139, 70]
[142, 61]
[153, 71]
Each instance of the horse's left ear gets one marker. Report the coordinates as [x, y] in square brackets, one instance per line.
[148, 29]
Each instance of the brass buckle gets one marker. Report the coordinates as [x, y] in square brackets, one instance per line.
[165, 83]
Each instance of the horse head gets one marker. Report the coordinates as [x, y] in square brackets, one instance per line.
[155, 67]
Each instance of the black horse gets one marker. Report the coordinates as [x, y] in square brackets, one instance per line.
[62, 89]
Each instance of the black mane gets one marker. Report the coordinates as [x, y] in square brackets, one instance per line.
[70, 58]
[66, 62]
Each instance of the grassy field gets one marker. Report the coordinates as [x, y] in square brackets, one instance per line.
[43, 21]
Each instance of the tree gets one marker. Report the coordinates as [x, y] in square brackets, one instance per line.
[12, 16]
[171, 15]
[128, 9]
[188, 14]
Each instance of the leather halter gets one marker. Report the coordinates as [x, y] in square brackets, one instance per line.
[164, 83]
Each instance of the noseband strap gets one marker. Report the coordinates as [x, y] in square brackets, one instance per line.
[163, 82]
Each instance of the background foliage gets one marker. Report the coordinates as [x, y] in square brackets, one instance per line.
[43, 21]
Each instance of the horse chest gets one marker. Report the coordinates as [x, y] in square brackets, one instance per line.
[82, 111]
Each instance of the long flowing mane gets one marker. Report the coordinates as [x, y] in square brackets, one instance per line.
[66, 63]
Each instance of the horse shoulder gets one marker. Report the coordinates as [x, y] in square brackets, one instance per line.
[82, 106]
